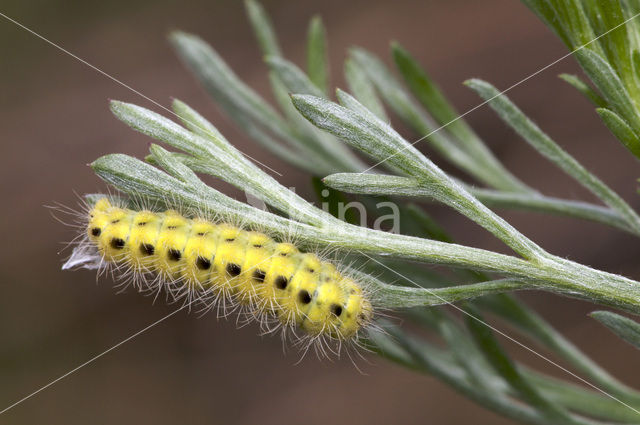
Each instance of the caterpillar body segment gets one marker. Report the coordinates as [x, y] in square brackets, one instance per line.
[224, 263]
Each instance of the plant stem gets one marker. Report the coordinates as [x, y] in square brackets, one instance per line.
[550, 272]
[378, 184]
[513, 116]
[404, 297]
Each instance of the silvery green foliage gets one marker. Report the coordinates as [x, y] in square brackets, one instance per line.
[330, 140]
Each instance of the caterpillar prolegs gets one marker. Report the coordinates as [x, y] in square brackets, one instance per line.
[221, 263]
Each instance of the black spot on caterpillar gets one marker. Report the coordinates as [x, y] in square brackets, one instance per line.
[147, 249]
[281, 282]
[221, 264]
[117, 243]
[203, 263]
[259, 275]
[233, 270]
[174, 254]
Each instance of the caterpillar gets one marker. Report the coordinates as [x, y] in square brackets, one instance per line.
[224, 265]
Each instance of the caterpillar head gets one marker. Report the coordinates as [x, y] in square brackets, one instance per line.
[354, 314]
[338, 309]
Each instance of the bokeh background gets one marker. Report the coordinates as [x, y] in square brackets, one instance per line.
[54, 120]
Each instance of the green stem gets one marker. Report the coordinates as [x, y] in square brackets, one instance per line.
[530, 324]
[505, 367]
[557, 206]
[577, 399]
[477, 163]
[513, 116]
[552, 273]
[405, 297]
[570, 396]
[376, 184]
[414, 355]
[377, 139]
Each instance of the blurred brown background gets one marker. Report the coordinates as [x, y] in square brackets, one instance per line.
[54, 120]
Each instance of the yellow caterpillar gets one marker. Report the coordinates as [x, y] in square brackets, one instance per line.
[235, 266]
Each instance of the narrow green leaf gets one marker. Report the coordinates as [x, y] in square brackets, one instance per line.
[608, 83]
[219, 159]
[605, 16]
[293, 154]
[197, 165]
[429, 94]
[378, 140]
[631, 8]
[380, 184]
[624, 327]
[469, 155]
[232, 166]
[532, 325]
[526, 128]
[580, 400]
[374, 184]
[317, 58]
[387, 348]
[198, 124]
[330, 200]
[636, 60]
[621, 130]
[573, 397]
[583, 88]
[390, 339]
[478, 371]
[292, 76]
[551, 205]
[281, 93]
[547, 14]
[245, 106]
[402, 104]
[503, 364]
[374, 137]
[362, 88]
[307, 135]
[403, 296]
[575, 22]
[328, 147]
[160, 128]
[424, 277]
[390, 89]
[352, 103]
[424, 357]
[262, 27]
[238, 99]
[133, 176]
[173, 166]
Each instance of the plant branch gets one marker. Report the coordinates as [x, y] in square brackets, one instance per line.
[378, 184]
[552, 151]
[377, 139]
